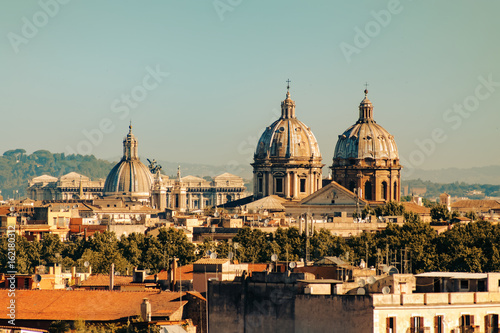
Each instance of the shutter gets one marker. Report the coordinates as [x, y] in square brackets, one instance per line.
[487, 323]
[388, 325]
[471, 320]
[412, 323]
[421, 319]
[436, 323]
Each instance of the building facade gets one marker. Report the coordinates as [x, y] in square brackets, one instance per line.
[71, 186]
[287, 160]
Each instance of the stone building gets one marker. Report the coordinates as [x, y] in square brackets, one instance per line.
[366, 159]
[68, 187]
[287, 160]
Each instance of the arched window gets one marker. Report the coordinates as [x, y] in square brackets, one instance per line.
[383, 191]
[395, 191]
[368, 190]
[352, 186]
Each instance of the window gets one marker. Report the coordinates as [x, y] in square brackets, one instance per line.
[466, 323]
[390, 325]
[368, 191]
[260, 184]
[464, 284]
[491, 323]
[384, 191]
[481, 286]
[279, 185]
[438, 324]
[302, 185]
[416, 324]
[395, 191]
[352, 186]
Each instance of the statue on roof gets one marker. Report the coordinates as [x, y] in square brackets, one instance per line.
[154, 167]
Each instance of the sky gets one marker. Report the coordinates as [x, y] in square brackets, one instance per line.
[200, 80]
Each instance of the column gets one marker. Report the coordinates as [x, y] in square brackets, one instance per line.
[295, 188]
[287, 185]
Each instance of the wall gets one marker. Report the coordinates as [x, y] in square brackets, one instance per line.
[342, 314]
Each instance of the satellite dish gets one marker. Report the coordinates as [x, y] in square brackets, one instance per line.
[274, 257]
[37, 278]
[292, 265]
[216, 214]
[208, 253]
[230, 255]
[138, 218]
[386, 290]
[266, 221]
[12, 208]
[86, 264]
[361, 282]
[75, 206]
[371, 280]
[213, 255]
[361, 291]
[393, 270]
[386, 269]
[235, 216]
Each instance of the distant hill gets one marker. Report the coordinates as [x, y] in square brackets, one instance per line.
[17, 167]
[479, 175]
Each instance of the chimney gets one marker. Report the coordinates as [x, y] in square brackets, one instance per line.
[51, 270]
[112, 277]
[173, 274]
[73, 273]
[146, 310]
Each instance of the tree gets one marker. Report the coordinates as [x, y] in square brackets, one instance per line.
[440, 213]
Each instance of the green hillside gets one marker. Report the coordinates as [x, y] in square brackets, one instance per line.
[17, 167]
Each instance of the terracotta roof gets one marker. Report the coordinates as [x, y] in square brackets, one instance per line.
[185, 271]
[94, 305]
[476, 204]
[413, 207]
[208, 261]
[103, 280]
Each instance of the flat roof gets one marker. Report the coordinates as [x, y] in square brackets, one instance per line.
[454, 275]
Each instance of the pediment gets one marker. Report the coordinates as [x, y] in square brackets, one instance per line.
[333, 194]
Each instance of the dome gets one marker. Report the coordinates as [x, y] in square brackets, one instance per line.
[129, 177]
[366, 139]
[288, 137]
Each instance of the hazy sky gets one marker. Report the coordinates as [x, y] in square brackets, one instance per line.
[200, 80]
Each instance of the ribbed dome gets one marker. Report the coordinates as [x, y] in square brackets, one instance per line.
[366, 139]
[130, 177]
[288, 137]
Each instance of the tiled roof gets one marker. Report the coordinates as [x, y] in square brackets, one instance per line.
[208, 261]
[103, 280]
[186, 272]
[476, 204]
[413, 207]
[95, 305]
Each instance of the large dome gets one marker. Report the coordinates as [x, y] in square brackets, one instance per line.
[288, 137]
[366, 159]
[366, 139]
[130, 177]
[287, 161]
